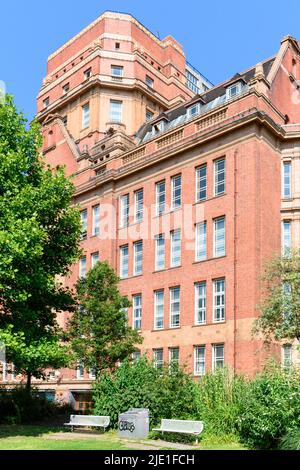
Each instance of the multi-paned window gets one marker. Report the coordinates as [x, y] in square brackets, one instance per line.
[80, 370]
[286, 237]
[85, 116]
[219, 237]
[124, 211]
[87, 73]
[96, 220]
[219, 166]
[138, 205]
[287, 180]
[194, 110]
[174, 307]
[219, 300]
[137, 311]
[82, 267]
[174, 356]
[287, 356]
[200, 303]
[199, 360]
[116, 109]
[149, 81]
[95, 258]
[201, 183]
[158, 358]
[160, 254]
[175, 248]
[46, 103]
[138, 258]
[116, 71]
[159, 310]
[84, 223]
[201, 251]
[124, 262]
[160, 197]
[176, 192]
[136, 355]
[218, 356]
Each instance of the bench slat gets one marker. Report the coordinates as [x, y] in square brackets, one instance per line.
[180, 426]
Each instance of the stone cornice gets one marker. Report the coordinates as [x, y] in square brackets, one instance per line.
[122, 17]
[196, 139]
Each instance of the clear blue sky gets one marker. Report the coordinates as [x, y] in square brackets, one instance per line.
[220, 38]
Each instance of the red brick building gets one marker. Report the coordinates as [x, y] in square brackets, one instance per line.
[187, 189]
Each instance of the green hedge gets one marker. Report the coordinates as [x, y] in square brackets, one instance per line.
[259, 411]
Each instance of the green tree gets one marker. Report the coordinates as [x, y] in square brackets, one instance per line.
[99, 328]
[39, 240]
[280, 309]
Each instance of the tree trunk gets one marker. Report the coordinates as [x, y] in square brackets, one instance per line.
[28, 382]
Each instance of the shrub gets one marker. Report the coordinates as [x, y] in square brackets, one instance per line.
[18, 406]
[167, 393]
[270, 408]
[219, 401]
[291, 441]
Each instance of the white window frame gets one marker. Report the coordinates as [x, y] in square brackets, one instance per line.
[235, 86]
[160, 252]
[215, 358]
[138, 258]
[116, 68]
[86, 116]
[116, 115]
[171, 352]
[137, 311]
[286, 249]
[138, 206]
[216, 173]
[149, 81]
[84, 223]
[288, 195]
[175, 242]
[221, 306]
[287, 362]
[199, 361]
[193, 110]
[124, 258]
[124, 210]
[87, 73]
[159, 320]
[158, 363]
[95, 258]
[201, 241]
[200, 311]
[159, 194]
[219, 238]
[82, 267]
[172, 303]
[96, 220]
[199, 180]
[174, 198]
[80, 371]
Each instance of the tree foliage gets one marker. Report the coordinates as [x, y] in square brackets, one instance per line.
[280, 310]
[99, 328]
[39, 235]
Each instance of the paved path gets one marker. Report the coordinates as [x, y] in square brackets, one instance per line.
[130, 444]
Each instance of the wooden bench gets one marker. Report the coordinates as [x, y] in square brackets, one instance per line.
[90, 421]
[181, 426]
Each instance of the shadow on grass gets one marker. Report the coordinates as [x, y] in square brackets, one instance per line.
[28, 430]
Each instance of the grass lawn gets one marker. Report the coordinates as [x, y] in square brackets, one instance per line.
[47, 438]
